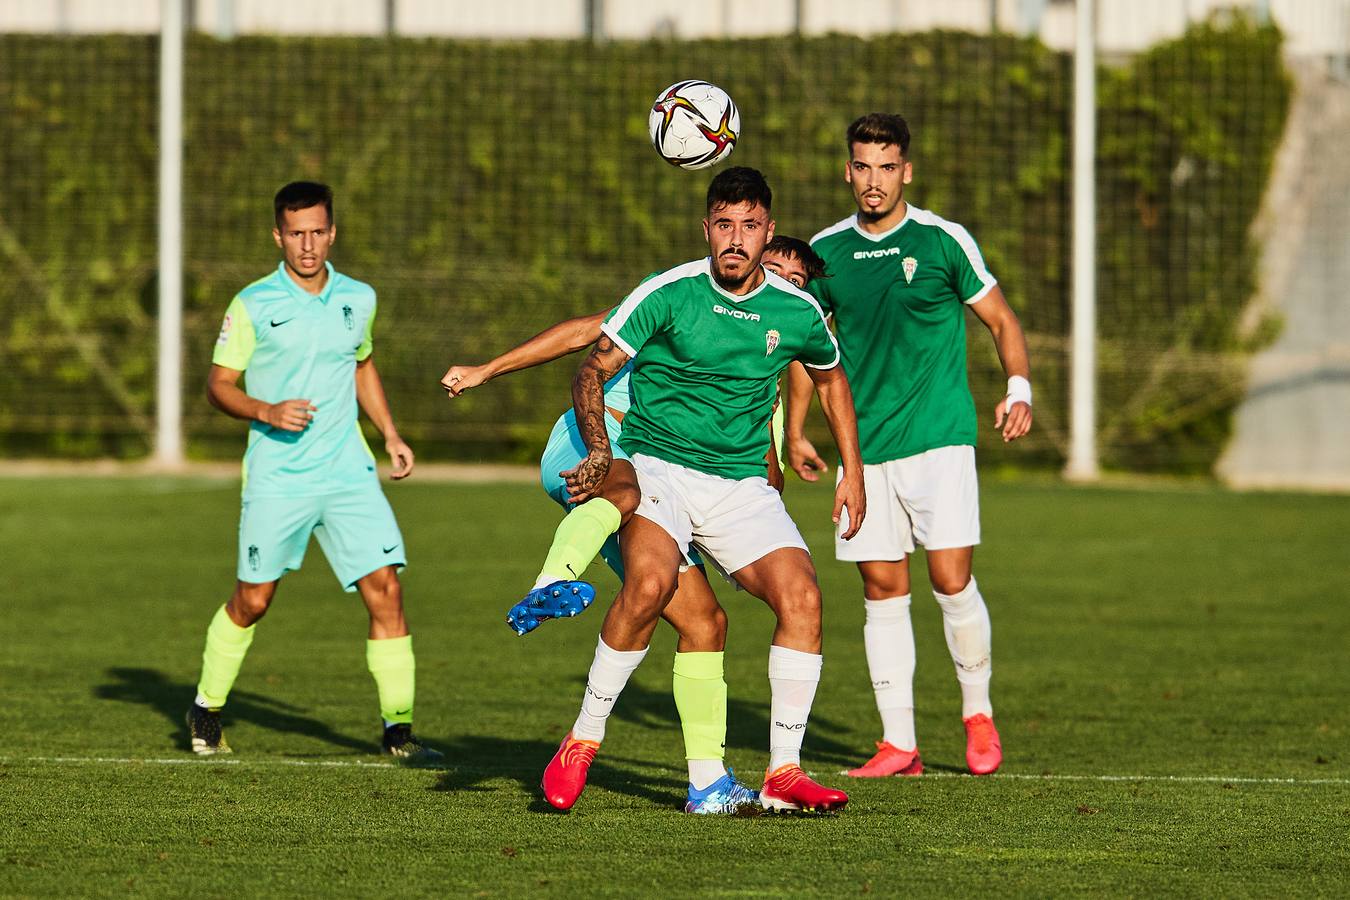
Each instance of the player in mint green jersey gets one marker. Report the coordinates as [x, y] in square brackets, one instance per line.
[303, 335]
[708, 340]
[902, 279]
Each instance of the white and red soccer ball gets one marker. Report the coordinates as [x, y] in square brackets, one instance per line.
[694, 124]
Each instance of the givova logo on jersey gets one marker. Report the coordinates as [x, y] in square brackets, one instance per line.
[735, 313]
[876, 254]
[909, 265]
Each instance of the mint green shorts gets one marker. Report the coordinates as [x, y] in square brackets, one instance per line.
[356, 529]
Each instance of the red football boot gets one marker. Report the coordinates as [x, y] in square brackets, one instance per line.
[889, 760]
[984, 753]
[565, 777]
[788, 787]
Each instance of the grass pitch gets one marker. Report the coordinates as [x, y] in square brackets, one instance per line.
[1170, 684]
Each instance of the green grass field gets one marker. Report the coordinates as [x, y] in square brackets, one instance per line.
[1170, 683]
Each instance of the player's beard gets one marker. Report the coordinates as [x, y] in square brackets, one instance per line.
[876, 215]
[731, 283]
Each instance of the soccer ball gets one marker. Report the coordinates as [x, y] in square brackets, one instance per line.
[694, 124]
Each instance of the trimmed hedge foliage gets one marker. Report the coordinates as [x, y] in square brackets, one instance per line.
[489, 189]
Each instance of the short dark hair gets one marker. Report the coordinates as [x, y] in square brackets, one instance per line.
[740, 184]
[879, 128]
[801, 251]
[302, 195]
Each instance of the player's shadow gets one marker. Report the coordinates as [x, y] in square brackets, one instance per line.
[747, 724]
[472, 760]
[171, 698]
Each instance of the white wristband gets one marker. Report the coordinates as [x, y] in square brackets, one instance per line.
[1019, 390]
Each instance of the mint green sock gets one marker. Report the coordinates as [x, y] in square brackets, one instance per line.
[578, 540]
[701, 698]
[390, 661]
[226, 646]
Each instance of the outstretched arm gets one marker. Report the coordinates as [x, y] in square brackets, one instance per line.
[1013, 413]
[588, 398]
[370, 394]
[801, 454]
[546, 346]
[836, 399]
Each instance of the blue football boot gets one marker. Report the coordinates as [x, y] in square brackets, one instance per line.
[724, 797]
[559, 600]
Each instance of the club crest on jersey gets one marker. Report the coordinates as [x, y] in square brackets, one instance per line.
[347, 318]
[771, 340]
[910, 265]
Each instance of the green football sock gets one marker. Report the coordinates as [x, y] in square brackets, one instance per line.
[578, 540]
[390, 661]
[701, 698]
[226, 645]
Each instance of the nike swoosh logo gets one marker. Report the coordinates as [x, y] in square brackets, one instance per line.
[276, 324]
[391, 549]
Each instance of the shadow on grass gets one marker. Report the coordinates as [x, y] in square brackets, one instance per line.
[171, 698]
[473, 760]
[747, 725]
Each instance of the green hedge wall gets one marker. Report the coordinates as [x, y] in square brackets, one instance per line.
[489, 189]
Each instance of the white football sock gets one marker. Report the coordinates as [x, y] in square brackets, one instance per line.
[703, 772]
[889, 639]
[965, 620]
[793, 676]
[609, 673]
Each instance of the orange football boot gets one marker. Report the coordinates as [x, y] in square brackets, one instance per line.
[984, 753]
[889, 760]
[565, 777]
[788, 787]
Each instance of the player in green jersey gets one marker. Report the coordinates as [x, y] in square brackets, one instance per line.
[698, 684]
[303, 334]
[708, 340]
[575, 547]
[902, 278]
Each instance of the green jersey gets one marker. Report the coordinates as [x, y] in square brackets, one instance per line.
[897, 300]
[293, 345]
[706, 364]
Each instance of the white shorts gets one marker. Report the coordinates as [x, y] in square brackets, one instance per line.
[733, 522]
[930, 498]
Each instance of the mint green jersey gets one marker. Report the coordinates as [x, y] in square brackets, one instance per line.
[898, 303]
[293, 345]
[706, 364]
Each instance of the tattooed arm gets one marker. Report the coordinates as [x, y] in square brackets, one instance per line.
[588, 398]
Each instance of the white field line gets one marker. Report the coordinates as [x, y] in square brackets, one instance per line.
[1178, 779]
[194, 761]
[358, 764]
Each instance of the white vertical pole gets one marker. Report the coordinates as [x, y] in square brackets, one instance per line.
[1082, 463]
[169, 383]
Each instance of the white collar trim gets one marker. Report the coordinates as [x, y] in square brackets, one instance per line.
[909, 214]
[736, 298]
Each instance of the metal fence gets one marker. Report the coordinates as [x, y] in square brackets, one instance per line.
[488, 189]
